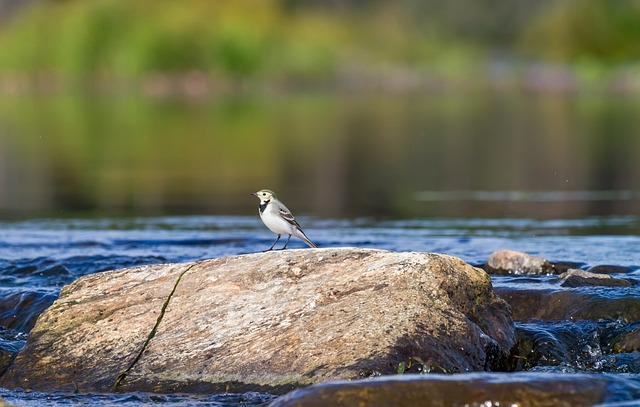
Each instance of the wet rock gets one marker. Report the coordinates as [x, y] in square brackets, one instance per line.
[611, 269]
[582, 278]
[6, 356]
[560, 267]
[543, 345]
[563, 304]
[19, 310]
[602, 346]
[625, 339]
[512, 262]
[515, 389]
[267, 321]
[10, 344]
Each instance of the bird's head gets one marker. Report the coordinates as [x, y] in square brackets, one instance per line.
[264, 195]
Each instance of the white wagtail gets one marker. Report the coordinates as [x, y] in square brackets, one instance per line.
[279, 219]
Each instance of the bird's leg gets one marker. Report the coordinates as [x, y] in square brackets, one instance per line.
[274, 243]
[286, 243]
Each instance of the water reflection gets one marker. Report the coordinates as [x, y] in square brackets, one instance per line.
[330, 155]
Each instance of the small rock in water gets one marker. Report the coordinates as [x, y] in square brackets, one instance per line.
[610, 269]
[560, 267]
[554, 304]
[512, 262]
[625, 339]
[582, 278]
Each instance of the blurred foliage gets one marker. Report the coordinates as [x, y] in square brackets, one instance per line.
[235, 37]
[293, 39]
[605, 31]
[123, 37]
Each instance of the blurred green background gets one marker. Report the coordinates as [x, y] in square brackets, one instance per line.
[345, 107]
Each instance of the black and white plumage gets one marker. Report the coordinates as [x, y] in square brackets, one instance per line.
[278, 218]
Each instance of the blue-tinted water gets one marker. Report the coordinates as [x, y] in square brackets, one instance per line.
[38, 257]
[132, 400]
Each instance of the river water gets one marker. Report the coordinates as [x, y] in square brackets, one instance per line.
[39, 256]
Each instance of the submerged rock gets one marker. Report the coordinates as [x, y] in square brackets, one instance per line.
[515, 389]
[625, 339]
[19, 309]
[512, 262]
[611, 269]
[565, 304]
[582, 278]
[268, 321]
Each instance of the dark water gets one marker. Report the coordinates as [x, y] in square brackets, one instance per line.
[38, 257]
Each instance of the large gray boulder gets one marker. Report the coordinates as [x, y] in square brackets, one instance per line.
[267, 321]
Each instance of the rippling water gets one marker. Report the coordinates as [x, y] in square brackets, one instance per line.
[38, 257]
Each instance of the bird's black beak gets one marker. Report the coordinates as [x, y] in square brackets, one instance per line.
[254, 194]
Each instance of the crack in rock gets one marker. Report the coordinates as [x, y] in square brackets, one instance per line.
[122, 376]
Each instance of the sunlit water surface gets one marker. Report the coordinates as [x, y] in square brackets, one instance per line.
[38, 257]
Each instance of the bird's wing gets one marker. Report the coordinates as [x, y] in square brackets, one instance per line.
[288, 216]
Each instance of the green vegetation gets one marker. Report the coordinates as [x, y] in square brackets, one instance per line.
[301, 40]
[588, 30]
[129, 38]
[422, 366]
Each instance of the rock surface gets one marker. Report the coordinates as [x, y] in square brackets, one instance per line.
[566, 304]
[6, 357]
[268, 321]
[611, 269]
[582, 278]
[514, 389]
[512, 262]
[624, 339]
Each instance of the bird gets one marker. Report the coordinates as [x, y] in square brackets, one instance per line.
[278, 218]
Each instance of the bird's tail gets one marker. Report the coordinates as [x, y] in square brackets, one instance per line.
[305, 239]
